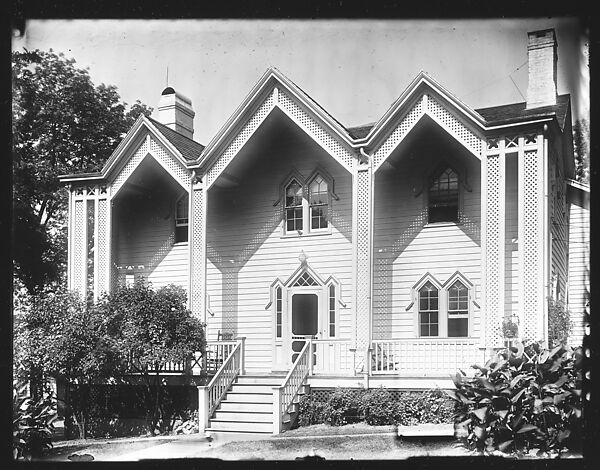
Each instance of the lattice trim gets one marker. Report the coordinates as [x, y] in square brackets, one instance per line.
[240, 139]
[454, 125]
[494, 302]
[198, 240]
[398, 134]
[103, 254]
[156, 150]
[532, 227]
[316, 130]
[79, 268]
[363, 259]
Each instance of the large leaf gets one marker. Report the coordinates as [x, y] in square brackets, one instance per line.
[527, 428]
[480, 413]
[504, 445]
[480, 432]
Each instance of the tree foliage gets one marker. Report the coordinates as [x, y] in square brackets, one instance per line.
[152, 327]
[62, 123]
[581, 144]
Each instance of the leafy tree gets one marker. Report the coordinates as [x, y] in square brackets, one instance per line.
[153, 327]
[581, 144]
[58, 335]
[62, 123]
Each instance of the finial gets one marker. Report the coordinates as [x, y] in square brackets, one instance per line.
[302, 257]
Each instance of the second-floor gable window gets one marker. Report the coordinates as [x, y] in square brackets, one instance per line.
[443, 197]
[307, 205]
[181, 219]
[319, 202]
[294, 202]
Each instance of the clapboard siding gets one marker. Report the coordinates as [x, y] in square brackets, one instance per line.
[247, 252]
[145, 237]
[559, 223]
[406, 247]
[579, 281]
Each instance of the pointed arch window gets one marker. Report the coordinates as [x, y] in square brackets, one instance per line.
[443, 197]
[428, 310]
[182, 219]
[458, 310]
[318, 203]
[294, 195]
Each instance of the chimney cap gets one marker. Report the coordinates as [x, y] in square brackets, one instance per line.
[168, 91]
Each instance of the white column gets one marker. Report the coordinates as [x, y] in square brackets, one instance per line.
[102, 261]
[493, 234]
[197, 249]
[362, 245]
[78, 237]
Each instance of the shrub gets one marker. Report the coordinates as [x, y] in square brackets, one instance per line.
[379, 407]
[430, 406]
[522, 399]
[311, 411]
[559, 323]
[343, 407]
[32, 423]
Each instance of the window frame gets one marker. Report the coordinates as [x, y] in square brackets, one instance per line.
[441, 169]
[186, 224]
[428, 311]
[443, 305]
[305, 184]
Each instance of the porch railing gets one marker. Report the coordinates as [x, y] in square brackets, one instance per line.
[333, 356]
[216, 353]
[211, 395]
[424, 356]
[284, 395]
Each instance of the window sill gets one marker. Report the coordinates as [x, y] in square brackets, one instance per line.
[304, 235]
[181, 243]
[442, 224]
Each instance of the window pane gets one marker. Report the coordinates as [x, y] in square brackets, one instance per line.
[318, 217]
[181, 234]
[458, 327]
[433, 303]
[443, 197]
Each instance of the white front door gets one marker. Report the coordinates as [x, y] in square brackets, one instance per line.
[304, 319]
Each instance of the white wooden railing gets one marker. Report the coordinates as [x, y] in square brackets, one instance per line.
[424, 356]
[210, 396]
[216, 353]
[333, 356]
[285, 394]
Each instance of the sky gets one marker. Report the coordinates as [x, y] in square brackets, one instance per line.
[354, 69]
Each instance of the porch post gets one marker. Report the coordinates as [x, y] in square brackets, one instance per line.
[277, 410]
[533, 238]
[103, 242]
[197, 249]
[493, 224]
[78, 241]
[202, 408]
[362, 246]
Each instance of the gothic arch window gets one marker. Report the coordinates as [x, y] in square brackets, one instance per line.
[318, 203]
[182, 219]
[458, 310]
[443, 196]
[294, 197]
[429, 310]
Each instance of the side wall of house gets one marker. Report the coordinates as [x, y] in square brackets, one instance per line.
[558, 227]
[406, 247]
[145, 234]
[246, 251]
[579, 263]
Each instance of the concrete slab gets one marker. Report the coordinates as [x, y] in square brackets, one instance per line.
[426, 430]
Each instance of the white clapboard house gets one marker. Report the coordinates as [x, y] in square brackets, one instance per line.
[321, 255]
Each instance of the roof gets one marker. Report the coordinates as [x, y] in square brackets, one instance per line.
[189, 149]
[360, 132]
[515, 112]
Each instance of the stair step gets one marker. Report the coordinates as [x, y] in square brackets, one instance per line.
[241, 407]
[252, 388]
[246, 417]
[249, 397]
[273, 380]
[218, 425]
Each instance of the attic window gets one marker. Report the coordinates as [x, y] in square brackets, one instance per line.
[443, 197]
[181, 219]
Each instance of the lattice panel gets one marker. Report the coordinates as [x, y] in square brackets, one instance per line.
[363, 264]
[494, 303]
[239, 141]
[460, 131]
[79, 268]
[130, 166]
[175, 168]
[398, 134]
[531, 246]
[198, 239]
[314, 129]
[103, 255]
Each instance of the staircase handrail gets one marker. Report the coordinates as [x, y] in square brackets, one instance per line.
[222, 380]
[285, 393]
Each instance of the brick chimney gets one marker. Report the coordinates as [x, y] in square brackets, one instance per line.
[542, 56]
[175, 111]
